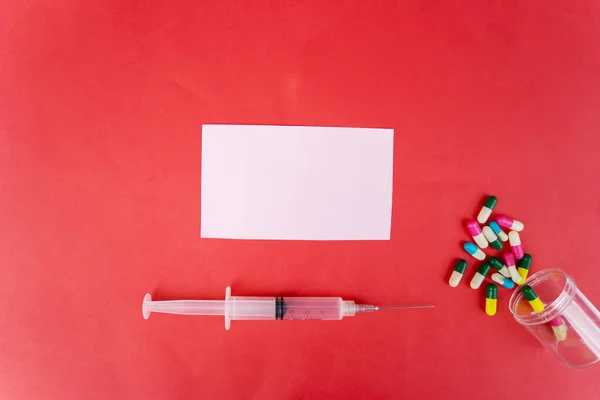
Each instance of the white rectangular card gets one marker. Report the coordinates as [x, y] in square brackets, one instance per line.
[296, 182]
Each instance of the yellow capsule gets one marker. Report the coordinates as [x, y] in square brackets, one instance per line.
[523, 270]
[537, 305]
[523, 273]
[533, 299]
[491, 299]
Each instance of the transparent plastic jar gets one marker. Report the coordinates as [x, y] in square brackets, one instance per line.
[562, 300]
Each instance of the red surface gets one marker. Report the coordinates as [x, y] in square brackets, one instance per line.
[101, 111]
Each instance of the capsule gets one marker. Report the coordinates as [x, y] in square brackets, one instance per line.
[558, 324]
[474, 251]
[491, 299]
[480, 275]
[502, 280]
[524, 265]
[532, 298]
[492, 238]
[498, 265]
[509, 223]
[509, 260]
[559, 328]
[478, 237]
[457, 274]
[486, 210]
[498, 231]
[515, 244]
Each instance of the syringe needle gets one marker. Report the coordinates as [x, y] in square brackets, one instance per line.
[401, 307]
[371, 308]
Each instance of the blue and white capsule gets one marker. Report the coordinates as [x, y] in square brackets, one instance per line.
[498, 231]
[503, 281]
[474, 251]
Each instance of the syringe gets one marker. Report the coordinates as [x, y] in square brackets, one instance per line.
[264, 308]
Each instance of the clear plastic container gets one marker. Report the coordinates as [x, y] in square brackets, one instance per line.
[564, 303]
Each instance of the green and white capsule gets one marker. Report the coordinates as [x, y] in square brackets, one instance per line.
[486, 210]
[499, 266]
[457, 274]
[480, 275]
[492, 238]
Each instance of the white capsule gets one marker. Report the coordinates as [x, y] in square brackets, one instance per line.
[455, 278]
[479, 255]
[481, 241]
[504, 271]
[489, 234]
[560, 332]
[503, 236]
[510, 223]
[498, 231]
[509, 259]
[499, 279]
[477, 235]
[484, 214]
[514, 275]
[474, 251]
[515, 244]
[514, 238]
[477, 280]
[517, 226]
[486, 210]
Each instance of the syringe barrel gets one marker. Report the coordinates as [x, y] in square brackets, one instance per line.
[316, 308]
[290, 308]
[250, 307]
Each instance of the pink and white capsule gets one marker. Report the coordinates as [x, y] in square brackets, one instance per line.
[559, 328]
[515, 244]
[478, 236]
[508, 222]
[509, 260]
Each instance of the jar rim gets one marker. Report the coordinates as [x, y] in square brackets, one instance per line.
[552, 310]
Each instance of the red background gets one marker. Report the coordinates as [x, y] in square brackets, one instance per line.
[100, 131]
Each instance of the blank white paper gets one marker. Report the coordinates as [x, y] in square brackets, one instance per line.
[296, 182]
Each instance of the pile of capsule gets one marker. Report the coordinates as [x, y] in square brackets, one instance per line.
[508, 274]
[516, 265]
